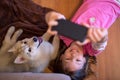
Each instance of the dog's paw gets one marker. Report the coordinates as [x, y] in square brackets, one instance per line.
[55, 43]
[10, 38]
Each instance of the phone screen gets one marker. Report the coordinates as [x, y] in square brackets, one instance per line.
[71, 30]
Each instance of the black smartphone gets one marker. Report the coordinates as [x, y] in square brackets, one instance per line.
[71, 30]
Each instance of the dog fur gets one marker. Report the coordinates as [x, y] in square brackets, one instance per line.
[31, 54]
[6, 59]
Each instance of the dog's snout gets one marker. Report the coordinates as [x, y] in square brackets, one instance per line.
[35, 39]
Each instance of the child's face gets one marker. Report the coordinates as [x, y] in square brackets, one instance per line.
[73, 58]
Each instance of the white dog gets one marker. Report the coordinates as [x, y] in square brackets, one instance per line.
[35, 53]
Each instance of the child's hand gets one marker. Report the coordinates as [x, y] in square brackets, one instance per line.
[51, 18]
[95, 35]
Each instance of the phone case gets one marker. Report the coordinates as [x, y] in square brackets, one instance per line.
[71, 30]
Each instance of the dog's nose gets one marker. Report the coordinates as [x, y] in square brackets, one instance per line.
[35, 39]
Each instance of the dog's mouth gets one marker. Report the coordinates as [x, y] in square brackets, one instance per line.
[40, 41]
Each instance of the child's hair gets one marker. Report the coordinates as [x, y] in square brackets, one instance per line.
[79, 74]
[85, 71]
[76, 75]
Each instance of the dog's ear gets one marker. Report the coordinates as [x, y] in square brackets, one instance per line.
[16, 48]
[13, 50]
[20, 59]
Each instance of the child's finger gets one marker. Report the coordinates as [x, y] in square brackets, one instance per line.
[100, 34]
[97, 35]
[52, 32]
[61, 16]
[87, 40]
[87, 25]
[105, 31]
[91, 35]
[53, 23]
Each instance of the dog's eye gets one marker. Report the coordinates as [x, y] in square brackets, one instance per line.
[29, 49]
[25, 42]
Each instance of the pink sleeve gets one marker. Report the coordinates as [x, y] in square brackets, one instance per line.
[88, 49]
[94, 49]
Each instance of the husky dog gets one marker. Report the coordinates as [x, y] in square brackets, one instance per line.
[37, 52]
[6, 59]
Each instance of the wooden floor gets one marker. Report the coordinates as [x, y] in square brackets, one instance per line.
[108, 62]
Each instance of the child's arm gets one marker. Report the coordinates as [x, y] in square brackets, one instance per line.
[51, 18]
[98, 42]
[94, 49]
[101, 45]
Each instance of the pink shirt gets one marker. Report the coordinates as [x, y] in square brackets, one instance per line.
[99, 13]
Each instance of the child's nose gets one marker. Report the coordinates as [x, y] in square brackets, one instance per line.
[74, 51]
[73, 54]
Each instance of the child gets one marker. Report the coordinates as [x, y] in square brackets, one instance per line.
[73, 60]
[98, 16]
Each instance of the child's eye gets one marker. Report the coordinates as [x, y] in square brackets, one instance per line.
[78, 60]
[67, 59]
